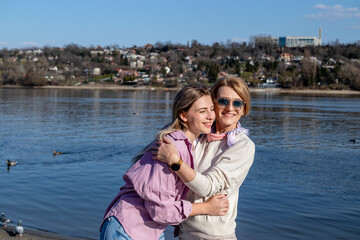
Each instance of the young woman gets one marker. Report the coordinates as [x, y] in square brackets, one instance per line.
[153, 195]
[222, 160]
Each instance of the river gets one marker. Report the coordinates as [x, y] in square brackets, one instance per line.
[304, 183]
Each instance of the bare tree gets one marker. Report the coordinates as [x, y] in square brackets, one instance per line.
[308, 71]
[12, 72]
[349, 75]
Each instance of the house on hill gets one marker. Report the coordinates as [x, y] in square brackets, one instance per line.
[148, 47]
[286, 57]
[121, 74]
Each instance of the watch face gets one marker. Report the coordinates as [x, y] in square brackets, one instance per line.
[175, 167]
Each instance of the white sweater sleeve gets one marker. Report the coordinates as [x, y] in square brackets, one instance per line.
[228, 173]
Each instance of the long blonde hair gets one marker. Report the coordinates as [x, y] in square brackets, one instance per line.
[183, 101]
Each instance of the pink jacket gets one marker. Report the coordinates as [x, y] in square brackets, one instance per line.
[153, 196]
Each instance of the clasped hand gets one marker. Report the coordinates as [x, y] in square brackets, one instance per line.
[166, 151]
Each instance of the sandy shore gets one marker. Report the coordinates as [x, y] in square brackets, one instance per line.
[32, 234]
[258, 90]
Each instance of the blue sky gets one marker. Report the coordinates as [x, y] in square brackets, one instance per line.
[36, 23]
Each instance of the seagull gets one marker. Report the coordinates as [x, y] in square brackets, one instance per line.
[56, 153]
[4, 220]
[19, 229]
[11, 163]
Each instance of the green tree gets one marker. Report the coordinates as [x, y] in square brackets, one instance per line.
[289, 78]
[252, 67]
[163, 72]
[129, 78]
[212, 70]
[247, 76]
[238, 69]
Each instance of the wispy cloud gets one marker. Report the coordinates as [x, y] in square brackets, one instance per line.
[238, 39]
[4, 43]
[29, 43]
[354, 27]
[333, 12]
[49, 41]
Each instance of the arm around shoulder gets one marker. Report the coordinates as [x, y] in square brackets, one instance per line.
[228, 173]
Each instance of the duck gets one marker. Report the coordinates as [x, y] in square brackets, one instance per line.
[56, 153]
[4, 220]
[11, 163]
[353, 140]
[19, 230]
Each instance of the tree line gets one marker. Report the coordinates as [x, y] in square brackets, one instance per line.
[335, 66]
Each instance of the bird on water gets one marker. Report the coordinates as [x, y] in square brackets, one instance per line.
[11, 163]
[56, 153]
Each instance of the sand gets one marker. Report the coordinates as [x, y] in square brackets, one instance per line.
[32, 234]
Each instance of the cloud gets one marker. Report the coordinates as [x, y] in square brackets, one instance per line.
[333, 12]
[4, 43]
[49, 41]
[29, 43]
[322, 6]
[354, 27]
[238, 39]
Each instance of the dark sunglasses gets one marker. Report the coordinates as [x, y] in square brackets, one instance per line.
[224, 102]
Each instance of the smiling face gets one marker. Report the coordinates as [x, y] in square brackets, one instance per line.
[227, 117]
[199, 118]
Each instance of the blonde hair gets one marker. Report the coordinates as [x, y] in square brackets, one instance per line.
[238, 85]
[183, 101]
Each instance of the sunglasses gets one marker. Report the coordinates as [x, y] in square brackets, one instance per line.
[224, 102]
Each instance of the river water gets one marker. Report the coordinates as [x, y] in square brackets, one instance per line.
[304, 183]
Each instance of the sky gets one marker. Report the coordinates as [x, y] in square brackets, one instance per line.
[39, 23]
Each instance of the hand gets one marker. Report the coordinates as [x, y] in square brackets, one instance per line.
[166, 152]
[217, 205]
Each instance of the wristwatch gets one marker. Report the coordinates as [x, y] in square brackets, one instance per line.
[176, 166]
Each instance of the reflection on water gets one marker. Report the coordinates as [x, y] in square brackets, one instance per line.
[304, 183]
[309, 122]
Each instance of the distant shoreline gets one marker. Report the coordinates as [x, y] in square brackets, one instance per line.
[130, 87]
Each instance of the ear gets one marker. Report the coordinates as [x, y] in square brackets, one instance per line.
[183, 116]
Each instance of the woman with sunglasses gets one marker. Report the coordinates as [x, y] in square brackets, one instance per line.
[153, 195]
[222, 160]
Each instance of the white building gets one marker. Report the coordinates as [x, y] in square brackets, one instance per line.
[299, 41]
[55, 69]
[96, 71]
[290, 41]
[266, 40]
